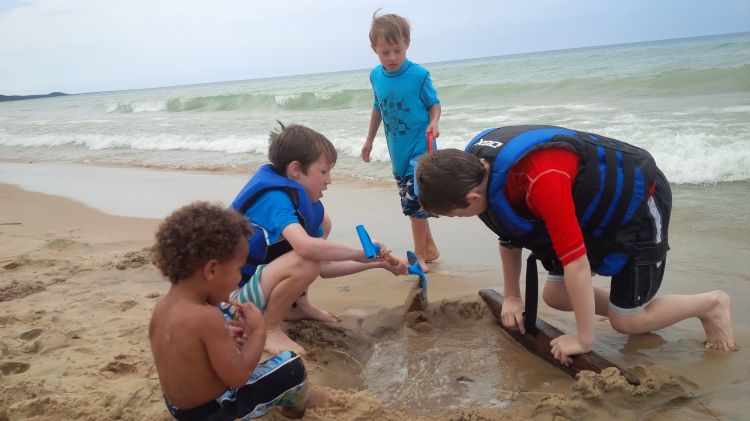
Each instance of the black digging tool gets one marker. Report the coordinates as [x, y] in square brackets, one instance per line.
[539, 333]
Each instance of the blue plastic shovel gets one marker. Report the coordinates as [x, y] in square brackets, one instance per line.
[371, 249]
[416, 269]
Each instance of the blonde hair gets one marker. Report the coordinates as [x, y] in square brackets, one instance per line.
[391, 28]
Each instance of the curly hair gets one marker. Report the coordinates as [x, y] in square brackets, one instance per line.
[195, 234]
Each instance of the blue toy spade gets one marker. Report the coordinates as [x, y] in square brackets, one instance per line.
[416, 269]
[371, 249]
[418, 301]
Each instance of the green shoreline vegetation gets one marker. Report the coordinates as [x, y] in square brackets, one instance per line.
[4, 98]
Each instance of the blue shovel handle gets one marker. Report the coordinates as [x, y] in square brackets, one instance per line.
[416, 269]
[371, 250]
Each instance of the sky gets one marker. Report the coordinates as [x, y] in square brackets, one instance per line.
[78, 46]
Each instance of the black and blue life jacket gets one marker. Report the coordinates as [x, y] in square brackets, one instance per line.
[610, 193]
[310, 216]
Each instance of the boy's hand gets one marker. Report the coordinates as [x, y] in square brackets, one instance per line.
[366, 149]
[563, 347]
[433, 127]
[250, 317]
[237, 332]
[512, 313]
[397, 265]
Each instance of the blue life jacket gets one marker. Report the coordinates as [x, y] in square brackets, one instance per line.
[610, 194]
[310, 216]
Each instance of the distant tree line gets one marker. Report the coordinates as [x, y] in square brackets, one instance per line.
[20, 97]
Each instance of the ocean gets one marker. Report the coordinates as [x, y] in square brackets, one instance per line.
[687, 101]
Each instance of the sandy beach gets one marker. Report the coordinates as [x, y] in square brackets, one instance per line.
[77, 289]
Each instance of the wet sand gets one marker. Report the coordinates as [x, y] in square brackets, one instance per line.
[77, 289]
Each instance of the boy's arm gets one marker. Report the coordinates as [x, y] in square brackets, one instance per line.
[337, 259]
[375, 119]
[581, 292]
[512, 311]
[232, 365]
[318, 249]
[551, 198]
[335, 269]
[434, 113]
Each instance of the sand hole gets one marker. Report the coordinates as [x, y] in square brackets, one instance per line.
[13, 368]
[436, 370]
[462, 360]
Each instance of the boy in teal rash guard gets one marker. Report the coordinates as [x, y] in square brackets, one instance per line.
[289, 248]
[408, 105]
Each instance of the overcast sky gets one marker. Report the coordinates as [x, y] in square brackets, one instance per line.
[79, 46]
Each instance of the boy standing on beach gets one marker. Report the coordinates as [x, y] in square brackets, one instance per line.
[409, 107]
[581, 203]
[208, 369]
[290, 248]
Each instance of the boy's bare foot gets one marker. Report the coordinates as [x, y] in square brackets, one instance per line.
[432, 254]
[304, 310]
[423, 263]
[292, 412]
[718, 323]
[277, 341]
[314, 396]
[317, 396]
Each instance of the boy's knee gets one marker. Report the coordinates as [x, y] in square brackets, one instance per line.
[306, 270]
[555, 296]
[619, 325]
[624, 324]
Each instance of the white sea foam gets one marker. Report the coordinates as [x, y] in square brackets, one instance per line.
[165, 142]
[685, 101]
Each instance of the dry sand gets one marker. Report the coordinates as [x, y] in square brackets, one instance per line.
[77, 289]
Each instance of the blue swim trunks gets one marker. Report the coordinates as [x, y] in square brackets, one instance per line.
[278, 381]
[409, 201]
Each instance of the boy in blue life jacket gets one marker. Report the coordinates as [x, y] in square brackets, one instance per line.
[210, 369]
[289, 249]
[581, 203]
[408, 105]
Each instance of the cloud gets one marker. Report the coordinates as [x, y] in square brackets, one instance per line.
[94, 45]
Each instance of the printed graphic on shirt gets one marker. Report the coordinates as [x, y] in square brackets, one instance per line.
[394, 114]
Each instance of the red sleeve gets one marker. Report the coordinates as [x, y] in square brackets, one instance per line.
[545, 178]
[551, 198]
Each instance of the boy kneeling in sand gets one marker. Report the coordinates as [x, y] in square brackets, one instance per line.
[582, 203]
[289, 249]
[208, 368]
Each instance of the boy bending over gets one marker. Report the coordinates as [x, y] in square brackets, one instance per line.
[581, 203]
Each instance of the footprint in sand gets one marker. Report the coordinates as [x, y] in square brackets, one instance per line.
[135, 259]
[13, 368]
[127, 305]
[19, 290]
[119, 367]
[16, 263]
[60, 244]
[31, 334]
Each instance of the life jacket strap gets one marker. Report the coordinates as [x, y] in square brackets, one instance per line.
[532, 295]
